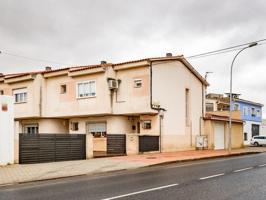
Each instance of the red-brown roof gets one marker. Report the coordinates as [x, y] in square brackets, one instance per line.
[148, 59]
[210, 116]
[79, 68]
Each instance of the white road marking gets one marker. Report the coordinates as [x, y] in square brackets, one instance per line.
[263, 165]
[142, 191]
[212, 176]
[244, 169]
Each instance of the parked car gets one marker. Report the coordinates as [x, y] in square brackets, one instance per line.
[258, 140]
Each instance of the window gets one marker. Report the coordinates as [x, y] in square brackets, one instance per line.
[236, 106]
[97, 129]
[74, 126]
[63, 89]
[1, 92]
[86, 89]
[187, 107]
[245, 136]
[20, 95]
[31, 129]
[209, 107]
[258, 113]
[137, 83]
[245, 110]
[255, 129]
[146, 124]
[253, 114]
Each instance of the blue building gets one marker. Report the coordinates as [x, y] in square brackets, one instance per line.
[251, 114]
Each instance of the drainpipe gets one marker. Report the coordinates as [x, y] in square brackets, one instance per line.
[202, 110]
[158, 109]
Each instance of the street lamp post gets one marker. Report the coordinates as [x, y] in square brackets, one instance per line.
[231, 99]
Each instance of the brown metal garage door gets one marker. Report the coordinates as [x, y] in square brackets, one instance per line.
[148, 143]
[116, 144]
[40, 148]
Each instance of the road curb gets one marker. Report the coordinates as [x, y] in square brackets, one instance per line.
[204, 158]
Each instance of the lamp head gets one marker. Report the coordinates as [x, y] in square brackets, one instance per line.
[253, 44]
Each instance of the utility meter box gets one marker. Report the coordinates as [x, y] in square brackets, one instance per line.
[201, 142]
[6, 130]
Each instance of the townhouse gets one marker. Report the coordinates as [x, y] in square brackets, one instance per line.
[161, 96]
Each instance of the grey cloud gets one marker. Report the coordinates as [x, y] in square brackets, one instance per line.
[87, 31]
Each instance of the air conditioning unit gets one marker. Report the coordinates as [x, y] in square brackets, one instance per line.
[113, 84]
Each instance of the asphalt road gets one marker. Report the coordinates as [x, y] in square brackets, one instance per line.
[228, 178]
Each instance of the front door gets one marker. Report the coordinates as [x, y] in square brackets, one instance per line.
[99, 132]
[255, 129]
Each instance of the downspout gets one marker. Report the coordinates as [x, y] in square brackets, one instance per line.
[158, 109]
[202, 109]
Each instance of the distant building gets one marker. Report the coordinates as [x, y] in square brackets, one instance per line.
[263, 128]
[251, 112]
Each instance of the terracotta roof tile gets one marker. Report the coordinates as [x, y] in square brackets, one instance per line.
[80, 68]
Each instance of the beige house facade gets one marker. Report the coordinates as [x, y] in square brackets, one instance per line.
[161, 96]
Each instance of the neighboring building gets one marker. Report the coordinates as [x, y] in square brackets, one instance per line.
[217, 130]
[251, 112]
[6, 130]
[263, 129]
[161, 96]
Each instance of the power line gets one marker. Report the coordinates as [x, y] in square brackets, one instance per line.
[224, 50]
[33, 59]
[201, 55]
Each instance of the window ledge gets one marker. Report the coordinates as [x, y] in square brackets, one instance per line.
[20, 102]
[79, 98]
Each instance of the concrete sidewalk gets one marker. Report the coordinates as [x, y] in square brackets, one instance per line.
[35, 172]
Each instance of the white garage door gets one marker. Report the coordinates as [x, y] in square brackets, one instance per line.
[219, 136]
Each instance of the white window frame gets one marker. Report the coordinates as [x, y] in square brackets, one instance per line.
[246, 112]
[258, 113]
[147, 124]
[253, 114]
[73, 127]
[97, 129]
[23, 95]
[136, 81]
[34, 126]
[236, 105]
[208, 106]
[85, 82]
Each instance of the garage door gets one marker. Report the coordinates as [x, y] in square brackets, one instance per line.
[219, 136]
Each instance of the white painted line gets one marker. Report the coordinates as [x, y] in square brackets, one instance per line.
[142, 191]
[244, 169]
[212, 176]
[263, 165]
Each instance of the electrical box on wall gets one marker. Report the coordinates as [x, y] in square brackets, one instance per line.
[201, 142]
[6, 130]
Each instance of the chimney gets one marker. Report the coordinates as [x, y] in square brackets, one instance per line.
[103, 62]
[169, 55]
[47, 68]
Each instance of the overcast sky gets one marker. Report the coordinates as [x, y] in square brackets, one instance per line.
[85, 32]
